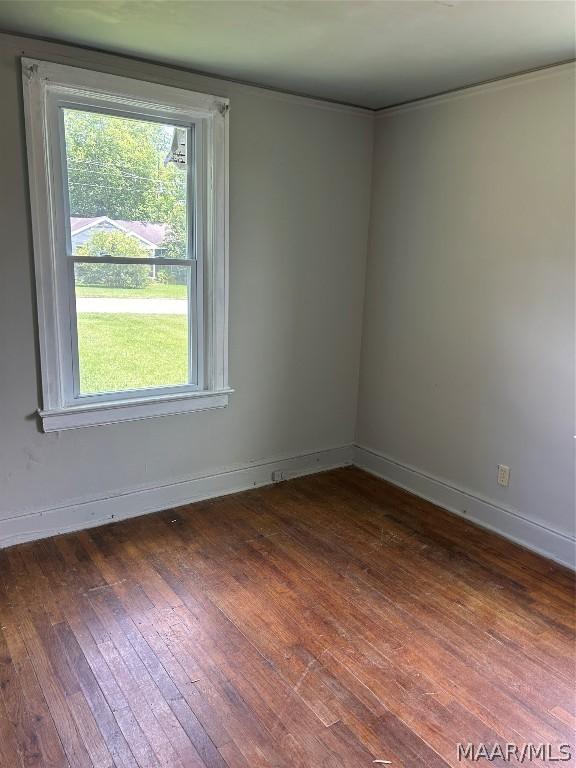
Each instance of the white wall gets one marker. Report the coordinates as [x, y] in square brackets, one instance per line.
[300, 187]
[468, 343]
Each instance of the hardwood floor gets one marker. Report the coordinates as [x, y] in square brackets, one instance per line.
[328, 622]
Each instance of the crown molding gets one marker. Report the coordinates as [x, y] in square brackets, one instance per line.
[77, 55]
[552, 70]
[80, 56]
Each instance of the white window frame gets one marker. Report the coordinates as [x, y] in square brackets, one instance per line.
[47, 88]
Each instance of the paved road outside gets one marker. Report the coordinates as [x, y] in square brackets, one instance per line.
[133, 306]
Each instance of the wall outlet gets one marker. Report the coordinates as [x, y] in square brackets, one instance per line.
[503, 475]
[278, 476]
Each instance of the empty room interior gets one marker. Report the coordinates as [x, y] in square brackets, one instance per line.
[287, 383]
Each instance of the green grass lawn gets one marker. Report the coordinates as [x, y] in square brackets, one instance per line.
[128, 351]
[153, 291]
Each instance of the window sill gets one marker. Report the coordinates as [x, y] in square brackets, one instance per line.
[98, 414]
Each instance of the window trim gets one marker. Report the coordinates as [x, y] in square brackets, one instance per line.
[45, 86]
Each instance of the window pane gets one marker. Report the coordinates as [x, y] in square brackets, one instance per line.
[127, 185]
[132, 323]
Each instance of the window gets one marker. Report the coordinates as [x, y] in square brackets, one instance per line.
[129, 198]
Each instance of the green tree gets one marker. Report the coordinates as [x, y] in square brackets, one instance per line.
[116, 169]
[113, 275]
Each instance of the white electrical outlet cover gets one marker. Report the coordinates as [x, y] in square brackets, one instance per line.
[503, 475]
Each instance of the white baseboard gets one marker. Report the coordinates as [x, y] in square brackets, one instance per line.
[88, 513]
[91, 512]
[489, 514]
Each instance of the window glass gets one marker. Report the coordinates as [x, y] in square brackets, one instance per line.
[132, 326]
[127, 197]
[126, 176]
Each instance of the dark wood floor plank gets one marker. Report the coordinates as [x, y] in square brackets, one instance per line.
[89, 731]
[55, 696]
[232, 756]
[459, 612]
[109, 728]
[81, 636]
[539, 577]
[37, 739]
[331, 621]
[145, 676]
[151, 737]
[376, 594]
[273, 702]
[410, 632]
[10, 754]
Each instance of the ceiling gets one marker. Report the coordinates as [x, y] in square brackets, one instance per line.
[371, 54]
